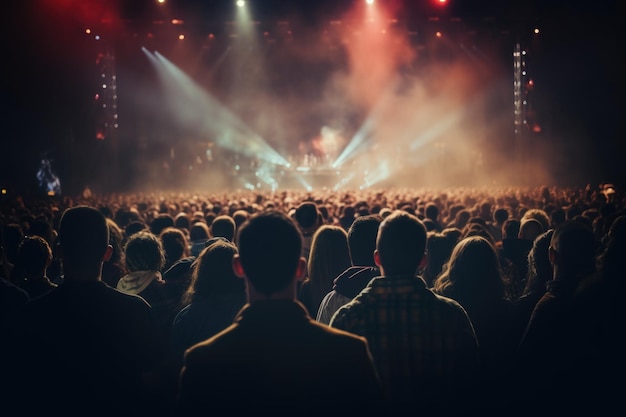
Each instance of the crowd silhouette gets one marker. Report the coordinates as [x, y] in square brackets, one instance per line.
[501, 300]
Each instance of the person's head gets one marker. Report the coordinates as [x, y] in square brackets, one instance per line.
[328, 258]
[440, 247]
[34, 255]
[573, 250]
[539, 266]
[144, 252]
[223, 226]
[431, 211]
[240, 216]
[510, 228]
[270, 248]
[83, 242]
[362, 239]
[160, 222]
[213, 273]
[175, 244]
[199, 232]
[182, 221]
[308, 217]
[472, 273]
[500, 215]
[538, 214]
[529, 229]
[400, 244]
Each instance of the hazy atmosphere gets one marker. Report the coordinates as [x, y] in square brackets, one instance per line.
[133, 95]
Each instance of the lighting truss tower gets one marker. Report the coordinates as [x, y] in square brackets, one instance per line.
[518, 103]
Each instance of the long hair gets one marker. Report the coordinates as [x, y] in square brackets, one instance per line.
[213, 274]
[472, 274]
[328, 258]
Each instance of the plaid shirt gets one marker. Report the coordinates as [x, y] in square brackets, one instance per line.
[423, 344]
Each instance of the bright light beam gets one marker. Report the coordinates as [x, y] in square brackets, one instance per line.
[198, 110]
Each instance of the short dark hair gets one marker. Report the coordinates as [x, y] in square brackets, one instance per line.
[270, 247]
[33, 254]
[362, 239]
[401, 243]
[83, 236]
[307, 214]
[223, 226]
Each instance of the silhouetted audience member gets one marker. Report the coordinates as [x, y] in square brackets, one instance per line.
[198, 235]
[309, 219]
[560, 357]
[423, 344]
[513, 253]
[240, 216]
[143, 260]
[439, 248]
[535, 286]
[529, 229]
[347, 216]
[83, 347]
[160, 222]
[500, 215]
[274, 356]
[112, 269]
[329, 257]
[472, 276]
[212, 300]
[361, 244]
[223, 226]
[33, 258]
[175, 246]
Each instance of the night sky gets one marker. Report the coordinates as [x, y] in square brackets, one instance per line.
[46, 90]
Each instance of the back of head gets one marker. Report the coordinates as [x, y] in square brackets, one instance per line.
[199, 232]
[362, 239]
[160, 222]
[175, 244]
[33, 255]
[401, 243]
[144, 252]
[182, 221]
[500, 215]
[473, 272]
[431, 211]
[270, 245]
[510, 228]
[538, 214]
[575, 246]
[530, 229]
[83, 237]
[539, 266]
[307, 215]
[213, 274]
[240, 216]
[223, 226]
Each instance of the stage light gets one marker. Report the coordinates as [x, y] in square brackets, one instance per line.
[241, 3]
[369, 1]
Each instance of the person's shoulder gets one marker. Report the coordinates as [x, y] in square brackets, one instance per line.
[339, 334]
[215, 348]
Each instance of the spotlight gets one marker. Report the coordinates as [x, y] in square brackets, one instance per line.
[369, 1]
[241, 3]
